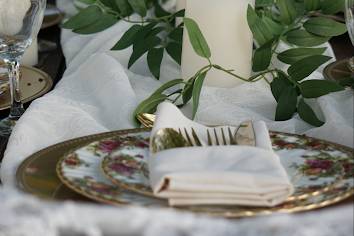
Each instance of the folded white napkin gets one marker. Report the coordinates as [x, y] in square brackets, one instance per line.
[220, 175]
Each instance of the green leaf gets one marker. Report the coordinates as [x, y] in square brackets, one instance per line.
[332, 6]
[104, 22]
[325, 27]
[144, 32]
[279, 84]
[197, 88]
[179, 13]
[175, 51]
[262, 57]
[305, 39]
[85, 17]
[110, 4]
[176, 35]
[159, 11]
[312, 5]
[141, 47]
[252, 16]
[286, 105]
[300, 7]
[154, 59]
[138, 6]
[305, 67]
[307, 114]
[272, 26]
[124, 7]
[260, 31]
[295, 54]
[150, 104]
[128, 38]
[196, 38]
[347, 82]
[318, 88]
[287, 10]
[168, 85]
[188, 91]
[144, 40]
[264, 3]
[155, 31]
[88, 2]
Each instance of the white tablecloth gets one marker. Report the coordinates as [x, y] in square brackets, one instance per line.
[24, 216]
[97, 93]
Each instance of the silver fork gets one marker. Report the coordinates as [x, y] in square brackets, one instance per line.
[242, 136]
[221, 140]
[193, 139]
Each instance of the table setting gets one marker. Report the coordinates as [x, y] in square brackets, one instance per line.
[188, 117]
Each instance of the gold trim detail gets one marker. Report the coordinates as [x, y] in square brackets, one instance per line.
[298, 202]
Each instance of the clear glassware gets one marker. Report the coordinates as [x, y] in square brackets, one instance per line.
[20, 22]
[349, 15]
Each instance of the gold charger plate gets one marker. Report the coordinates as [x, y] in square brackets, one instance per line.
[328, 177]
[36, 175]
[34, 83]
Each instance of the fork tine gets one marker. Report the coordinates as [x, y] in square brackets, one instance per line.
[144, 120]
[196, 139]
[149, 117]
[223, 137]
[144, 123]
[210, 142]
[180, 131]
[231, 137]
[216, 137]
[188, 137]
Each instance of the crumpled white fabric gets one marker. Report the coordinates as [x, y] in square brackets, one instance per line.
[221, 175]
[98, 93]
[23, 215]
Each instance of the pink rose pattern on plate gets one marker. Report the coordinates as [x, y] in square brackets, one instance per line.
[318, 165]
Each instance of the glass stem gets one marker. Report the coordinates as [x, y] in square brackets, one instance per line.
[16, 109]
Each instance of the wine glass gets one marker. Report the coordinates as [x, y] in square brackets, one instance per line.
[349, 15]
[20, 21]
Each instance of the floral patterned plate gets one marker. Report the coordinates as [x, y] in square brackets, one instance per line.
[314, 166]
[322, 173]
[80, 170]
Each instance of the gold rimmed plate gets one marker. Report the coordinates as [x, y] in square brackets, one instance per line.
[37, 175]
[321, 172]
[33, 84]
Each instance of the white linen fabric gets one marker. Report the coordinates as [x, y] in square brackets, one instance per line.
[24, 215]
[222, 175]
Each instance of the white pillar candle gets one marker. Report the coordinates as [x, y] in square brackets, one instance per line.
[224, 25]
[181, 4]
[30, 57]
[12, 13]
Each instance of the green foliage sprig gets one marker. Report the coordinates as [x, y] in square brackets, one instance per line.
[181, 91]
[304, 24]
[300, 23]
[151, 35]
